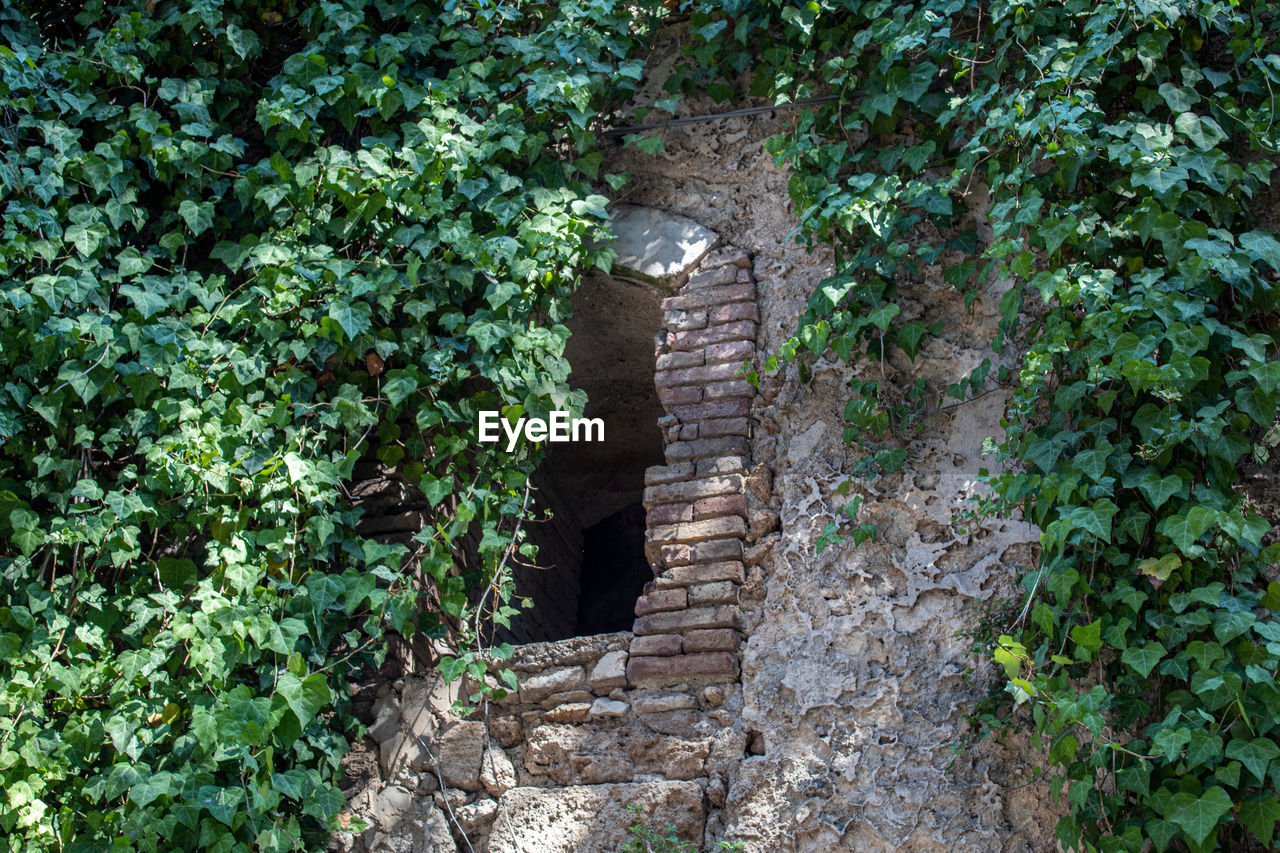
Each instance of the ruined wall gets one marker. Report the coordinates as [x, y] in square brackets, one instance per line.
[832, 716]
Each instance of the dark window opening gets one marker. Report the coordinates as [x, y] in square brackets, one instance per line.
[591, 565]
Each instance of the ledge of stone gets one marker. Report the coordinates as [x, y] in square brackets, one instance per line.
[657, 246]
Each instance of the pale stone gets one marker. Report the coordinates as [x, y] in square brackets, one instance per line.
[537, 686]
[655, 244]
[476, 818]
[458, 755]
[591, 819]
[497, 773]
[573, 712]
[609, 672]
[658, 704]
[386, 718]
[604, 708]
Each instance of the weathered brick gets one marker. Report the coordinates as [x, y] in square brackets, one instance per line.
[710, 296]
[741, 330]
[688, 432]
[711, 640]
[701, 573]
[716, 465]
[671, 513]
[539, 685]
[684, 321]
[730, 407]
[724, 257]
[675, 555]
[681, 395]
[703, 595]
[657, 644]
[655, 474]
[717, 506]
[661, 600]
[745, 276]
[712, 278]
[671, 360]
[730, 351]
[714, 552]
[696, 375]
[712, 427]
[732, 388]
[660, 704]
[729, 445]
[665, 671]
[734, 311]
[692, 490]
[679, 621]
[691, 532]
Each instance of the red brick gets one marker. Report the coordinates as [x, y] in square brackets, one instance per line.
[679, 621]
[711, 640]
[719, 465]
[661, 600]
[719, 505]
[724, 257]
[696, 375]
[691, 532]
[658, 644]
[678, 396]
[710, 296]
[713, 427]
[670, 360]
[732, 388]
[716, 551]
[676, 555]
[701, 573]
[734, 311]
[672, 513]
[723, 592]
[684, 321]
[713, 277]
[729, 445]
[729, 407]
[665, 671]
[731, 351]
[692, 490]
[655, 474]
[741, 330]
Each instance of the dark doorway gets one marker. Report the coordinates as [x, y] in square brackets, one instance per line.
[591, 564]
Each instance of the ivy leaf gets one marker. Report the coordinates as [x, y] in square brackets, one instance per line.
[399, 385]
[305, 697]
[1203, 132]
[1261, 816]
[199, 217]
[1255, 755]
[355, 320]
[1143, 659]
[1197, 817]
[1088, 636]
[1095, 519]
[1159, 489]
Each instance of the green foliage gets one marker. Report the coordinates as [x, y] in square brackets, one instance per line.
[1123, 148]
[643, 838]
[244, 242]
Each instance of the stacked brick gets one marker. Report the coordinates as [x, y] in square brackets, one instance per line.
[686, 627]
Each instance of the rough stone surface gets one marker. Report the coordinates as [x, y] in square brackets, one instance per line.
[497, 773]
[459, 752]
[591, 819]
[656, 244]
[609, 672]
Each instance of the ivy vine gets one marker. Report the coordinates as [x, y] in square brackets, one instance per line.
[1127, 149]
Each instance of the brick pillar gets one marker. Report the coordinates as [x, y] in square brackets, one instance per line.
[687, 620]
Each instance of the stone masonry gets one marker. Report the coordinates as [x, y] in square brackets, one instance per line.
[652, 716]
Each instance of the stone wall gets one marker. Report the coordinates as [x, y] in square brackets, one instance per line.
[651, 716]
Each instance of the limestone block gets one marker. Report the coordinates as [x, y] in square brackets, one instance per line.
[497, 773]
[658, 704]
[609, 672]
[591, 819]
[537, 686]
[574, 712]
[655, 244]
[603, 709]
[458, 755]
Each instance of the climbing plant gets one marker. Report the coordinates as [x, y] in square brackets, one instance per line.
[245, 244]
[1126, 152]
